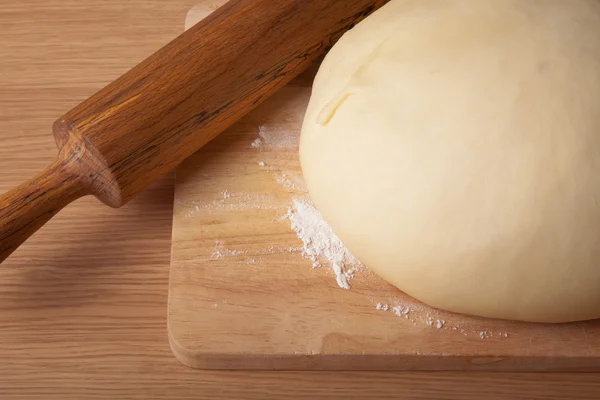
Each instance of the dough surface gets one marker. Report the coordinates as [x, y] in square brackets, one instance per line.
[454, 147]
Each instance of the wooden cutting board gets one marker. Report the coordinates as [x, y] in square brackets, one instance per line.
[242, 296]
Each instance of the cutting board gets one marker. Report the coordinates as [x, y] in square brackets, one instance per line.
[242, 294]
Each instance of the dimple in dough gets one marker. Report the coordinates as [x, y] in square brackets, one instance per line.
[454, 147]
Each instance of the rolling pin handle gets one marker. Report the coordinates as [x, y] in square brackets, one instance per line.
[26, 208]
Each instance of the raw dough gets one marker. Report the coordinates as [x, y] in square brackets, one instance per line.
[454, 147]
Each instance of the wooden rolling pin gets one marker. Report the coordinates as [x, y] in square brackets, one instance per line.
[119, 141]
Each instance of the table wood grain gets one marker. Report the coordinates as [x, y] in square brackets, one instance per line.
[83, 304]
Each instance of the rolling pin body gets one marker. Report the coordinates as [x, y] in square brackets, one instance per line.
[119, 141]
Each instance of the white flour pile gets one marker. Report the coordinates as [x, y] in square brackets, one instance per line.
[320, 243]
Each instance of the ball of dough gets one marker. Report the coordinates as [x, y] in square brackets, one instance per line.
[454, 147]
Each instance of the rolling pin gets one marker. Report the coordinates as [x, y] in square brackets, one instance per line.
[119, 141]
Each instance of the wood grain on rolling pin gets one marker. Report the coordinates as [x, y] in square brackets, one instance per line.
[117, 142]
[148, 121]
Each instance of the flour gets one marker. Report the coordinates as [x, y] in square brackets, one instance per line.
[340, 276]
[320, 243]
[234, 202]
[490, 335]
[285, 182]
[423, 317]
[226, 253]
[401, 311]
[295, 183]
[222, 252]
[256, 143]
[276, 137]
[252, 256]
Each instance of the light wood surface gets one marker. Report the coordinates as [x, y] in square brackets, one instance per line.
[86, 319]
[235, 304]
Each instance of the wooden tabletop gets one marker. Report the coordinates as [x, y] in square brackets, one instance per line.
[83, 303]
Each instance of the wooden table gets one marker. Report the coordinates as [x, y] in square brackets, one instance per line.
[83, 304]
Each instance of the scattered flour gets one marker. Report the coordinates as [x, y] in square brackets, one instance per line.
[292, 183]
[350, 272]
[340, 276]
[490, 334]
[418, 315]
[256, 143]
[401, 311]
[276, 137]
[222, 252]
[253, 256]
[234, 202]
[226, 253]
[320, 243]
